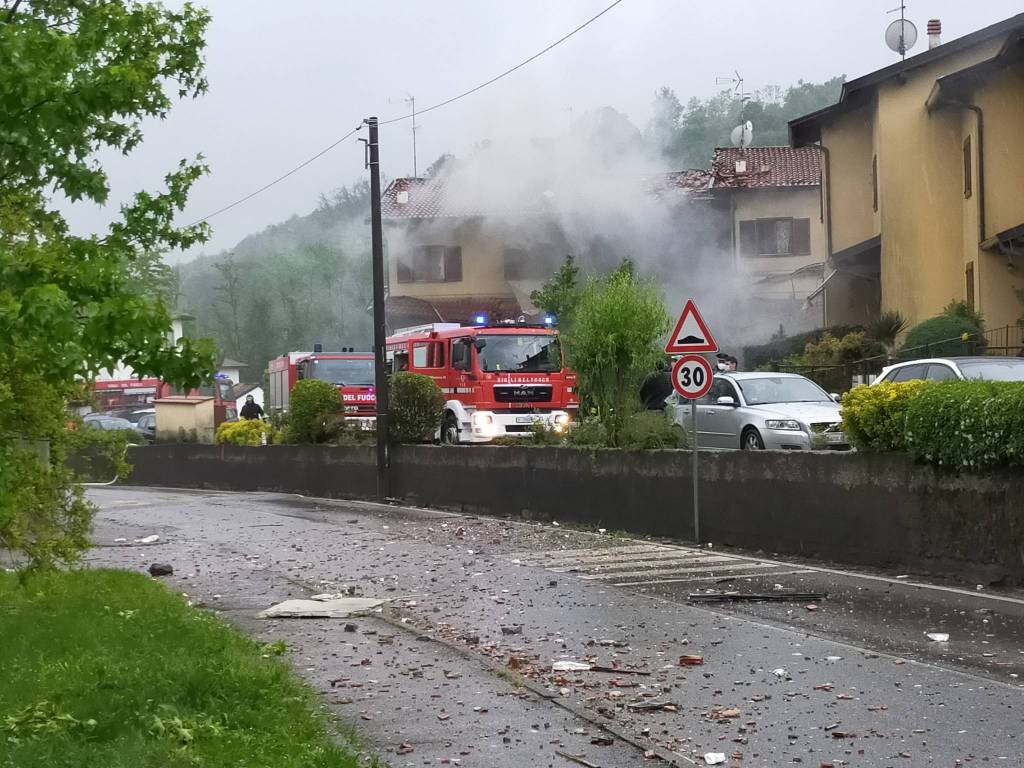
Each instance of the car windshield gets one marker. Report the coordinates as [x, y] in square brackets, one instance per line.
[349, 373]
[114, 423]
[994, 370]
[521, 353]
[782, 389]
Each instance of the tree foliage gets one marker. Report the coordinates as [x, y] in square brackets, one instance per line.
[614, 344]
[687, 135]
[560, 294]
[79, 78]
[316, 413]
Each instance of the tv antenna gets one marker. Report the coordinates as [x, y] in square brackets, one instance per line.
[737, 81]
[411, 101]
[901, 34]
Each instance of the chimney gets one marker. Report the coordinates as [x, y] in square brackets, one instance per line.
[934, 33]
[741, 166]
[402, 197]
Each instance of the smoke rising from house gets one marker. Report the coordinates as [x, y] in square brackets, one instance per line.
[602, 194]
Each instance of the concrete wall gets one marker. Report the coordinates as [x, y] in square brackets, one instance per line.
[854, 508]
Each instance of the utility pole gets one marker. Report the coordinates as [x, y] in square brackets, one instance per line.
[412, 100]
[379, 330]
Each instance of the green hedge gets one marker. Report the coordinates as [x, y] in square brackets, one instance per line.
[874, 418]
[967, 424]
[417, 405]
[973, 424]
[775, 351]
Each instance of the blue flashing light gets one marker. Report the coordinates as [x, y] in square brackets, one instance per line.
[549, 319]
[480, 319]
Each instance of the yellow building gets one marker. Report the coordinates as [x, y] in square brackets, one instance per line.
[777, 228]
[924, 181]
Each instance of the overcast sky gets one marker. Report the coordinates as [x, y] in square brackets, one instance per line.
[287, 79]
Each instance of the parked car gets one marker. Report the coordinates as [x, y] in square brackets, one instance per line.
[145, 425]
[947, 368]
[102, 421]
[759, 410]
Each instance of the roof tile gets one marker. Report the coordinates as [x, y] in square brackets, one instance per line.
[767, 167]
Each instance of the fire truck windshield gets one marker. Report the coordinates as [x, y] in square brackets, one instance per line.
[348, 373]
[526, 353]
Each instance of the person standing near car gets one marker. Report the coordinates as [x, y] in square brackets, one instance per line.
[251, 409]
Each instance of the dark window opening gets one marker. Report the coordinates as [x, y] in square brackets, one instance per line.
[775, 237]
[461, 354]
[431, 264]
[534, 264]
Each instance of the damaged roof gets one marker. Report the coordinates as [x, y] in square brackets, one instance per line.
[766, 167]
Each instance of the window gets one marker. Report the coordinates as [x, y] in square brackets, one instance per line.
[431, 264]
[775, 237]
[535, 264]
[909, 373]
[874, 183]
[969, 277]
[719, 388]
[460, 354]
[428, 354]
[968, 175]
[939, 372]
[520, 353]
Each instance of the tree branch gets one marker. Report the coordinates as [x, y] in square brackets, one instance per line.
[12, 10]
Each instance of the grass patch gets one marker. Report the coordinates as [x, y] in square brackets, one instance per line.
[108, 668]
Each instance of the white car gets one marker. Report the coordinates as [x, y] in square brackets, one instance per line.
[946, 368]
[754, 411]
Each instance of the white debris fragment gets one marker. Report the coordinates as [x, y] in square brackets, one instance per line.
[938, 637]
[780, 672]
[714, 758]
[120, 540]
[151, 539]
[570, 666]
[320, 609]
[833, 658]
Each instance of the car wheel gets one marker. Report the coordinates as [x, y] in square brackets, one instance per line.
[751, 440]
[450, 430]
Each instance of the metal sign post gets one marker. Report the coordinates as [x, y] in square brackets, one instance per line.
[691, 378]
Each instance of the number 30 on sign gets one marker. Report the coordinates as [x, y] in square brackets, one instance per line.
[691, 376]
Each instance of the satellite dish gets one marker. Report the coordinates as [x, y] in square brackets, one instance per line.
[900, 36]
[742, 136]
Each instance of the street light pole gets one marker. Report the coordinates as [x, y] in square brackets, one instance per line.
[379, 329]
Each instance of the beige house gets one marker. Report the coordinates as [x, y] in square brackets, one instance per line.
[923, 162]
[778, 237]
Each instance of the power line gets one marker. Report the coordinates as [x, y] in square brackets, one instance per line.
[418, 112]
[507, 72]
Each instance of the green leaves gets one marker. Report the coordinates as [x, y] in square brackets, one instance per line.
[79, 78]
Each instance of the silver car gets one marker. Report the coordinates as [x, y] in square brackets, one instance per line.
[755, 411]
[946, 368]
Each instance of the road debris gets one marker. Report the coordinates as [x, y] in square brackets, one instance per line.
[721, 713]
[602, 741]
[938, 637]
[320, 609]
[404, 748]
[578, 759]
[714, 758]
[691, 661]
[645, 706]
[152, 539]
[161, 569]
[755, 597]
[780, 672]
[512, 629]
[570, 666]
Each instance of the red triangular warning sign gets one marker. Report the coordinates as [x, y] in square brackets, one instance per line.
[691, 333]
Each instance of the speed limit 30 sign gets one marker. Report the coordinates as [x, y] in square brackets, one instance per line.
[691, 376]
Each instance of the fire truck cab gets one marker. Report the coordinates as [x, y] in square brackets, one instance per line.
[499, 380]
[352, 372]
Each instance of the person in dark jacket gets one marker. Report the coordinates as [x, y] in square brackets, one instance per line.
[251, 409]
[657, 387]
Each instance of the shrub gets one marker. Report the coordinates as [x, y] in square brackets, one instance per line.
[650, 430]
[942, 336]
[964, 310]
[967, 424]
[245, 432]
[874, 418]
[417, 405]
[98, 455]
[887, 327]
[587, 434]
[316, 412]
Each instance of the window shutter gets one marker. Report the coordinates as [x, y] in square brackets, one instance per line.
[767, 240]
[748, 238]
[801, 244]
[453, 264]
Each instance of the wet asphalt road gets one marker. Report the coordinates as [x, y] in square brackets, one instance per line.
[851, 681]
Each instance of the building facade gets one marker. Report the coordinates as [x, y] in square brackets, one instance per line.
[923, 168]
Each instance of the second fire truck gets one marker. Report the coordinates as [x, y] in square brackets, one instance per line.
[498, 380]
[350, 371]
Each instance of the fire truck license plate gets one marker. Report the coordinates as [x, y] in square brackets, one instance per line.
[525, 419]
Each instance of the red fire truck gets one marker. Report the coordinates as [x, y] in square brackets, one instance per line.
[351, 371]
[498, 379]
